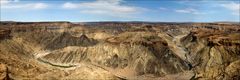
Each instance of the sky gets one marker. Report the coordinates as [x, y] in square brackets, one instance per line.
[120, 10]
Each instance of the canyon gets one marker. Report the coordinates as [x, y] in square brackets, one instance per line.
[119, 50]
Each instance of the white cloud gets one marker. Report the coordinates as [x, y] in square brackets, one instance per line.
[15, 4]
[69, 5]
[234, 7]
[189, 11]
[39, 5]
[4, 2]
[162, 8]
[185, 10]
[106, 7]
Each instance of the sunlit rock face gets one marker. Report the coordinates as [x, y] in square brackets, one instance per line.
[213, 52]
[62, 50]
[3, 72]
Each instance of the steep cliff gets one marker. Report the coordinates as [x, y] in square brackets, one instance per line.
[213, 52]
[160, 51]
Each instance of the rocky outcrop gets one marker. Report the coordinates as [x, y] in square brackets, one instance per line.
[3, 72]
[66, 39]
[213, 53]
[4, 34]
[145, 55]
[56, 40]
[110, 51]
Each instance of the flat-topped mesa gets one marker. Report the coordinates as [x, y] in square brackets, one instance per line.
[212, 37]
[137, 38]
[31, 26]
[35, 23]
[223, 41]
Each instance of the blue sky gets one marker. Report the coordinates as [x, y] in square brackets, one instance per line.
[121, 10]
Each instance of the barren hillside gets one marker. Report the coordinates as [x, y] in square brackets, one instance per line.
[119, 50]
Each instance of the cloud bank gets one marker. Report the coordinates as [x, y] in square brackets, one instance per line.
[15, 4]
[189, 11]
[107, 7]
[234, 7]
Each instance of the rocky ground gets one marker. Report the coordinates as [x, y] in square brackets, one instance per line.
[165, 51]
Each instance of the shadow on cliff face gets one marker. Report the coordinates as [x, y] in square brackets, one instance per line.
[214, 53]
[5, 34]
[123, 55]
[65, 39]
[50, 40]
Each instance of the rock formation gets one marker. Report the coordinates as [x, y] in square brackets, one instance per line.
[62, 50]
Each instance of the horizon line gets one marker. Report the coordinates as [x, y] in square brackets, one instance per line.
[133, 21]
